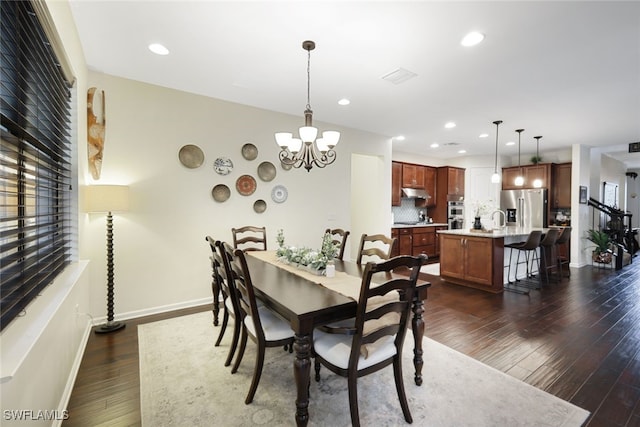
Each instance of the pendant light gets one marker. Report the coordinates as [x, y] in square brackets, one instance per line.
[495, 178]
[519, 181]
[537, 183]
[307, 150]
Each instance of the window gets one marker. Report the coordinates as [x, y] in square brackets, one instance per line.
[35, 159]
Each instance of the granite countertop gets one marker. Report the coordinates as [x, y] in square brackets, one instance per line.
[420, 224]
[494, 234]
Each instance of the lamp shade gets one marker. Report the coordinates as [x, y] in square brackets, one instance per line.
[106, 198]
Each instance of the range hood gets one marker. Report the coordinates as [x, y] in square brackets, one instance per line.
[415, 193]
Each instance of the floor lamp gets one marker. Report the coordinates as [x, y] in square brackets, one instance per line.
[108, 198]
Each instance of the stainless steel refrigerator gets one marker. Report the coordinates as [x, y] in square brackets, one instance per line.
[525, 208]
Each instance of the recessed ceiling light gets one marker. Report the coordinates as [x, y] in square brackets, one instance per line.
[344, 101]
[434, 145]
[462, 151]
[158, 49]
[510, 143]
[399, 138]
[450, 125]
[483, 135]
[472, 39]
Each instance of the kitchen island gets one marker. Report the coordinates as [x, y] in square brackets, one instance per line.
[476, 258]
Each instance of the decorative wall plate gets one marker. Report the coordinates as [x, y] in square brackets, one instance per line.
[246, 185]
[266, 171]
[221, 193]
[191, 156]
[249, 151]
[279, 193]
[260, 206]
[223, 166]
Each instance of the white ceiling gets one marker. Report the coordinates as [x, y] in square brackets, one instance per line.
[569, 71]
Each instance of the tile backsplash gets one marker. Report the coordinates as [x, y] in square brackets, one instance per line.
[407, 211]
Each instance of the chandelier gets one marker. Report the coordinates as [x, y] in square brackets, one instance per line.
[307, 150]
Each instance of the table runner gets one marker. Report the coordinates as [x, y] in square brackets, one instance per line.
[341, 283]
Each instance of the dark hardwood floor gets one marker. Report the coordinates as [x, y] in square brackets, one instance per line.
[578, 339]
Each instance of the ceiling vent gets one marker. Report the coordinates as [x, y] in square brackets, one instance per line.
[451, 143]
[399, 75]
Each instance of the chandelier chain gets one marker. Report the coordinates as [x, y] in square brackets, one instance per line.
[309, 80]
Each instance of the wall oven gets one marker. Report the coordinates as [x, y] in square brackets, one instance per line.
[455, 212]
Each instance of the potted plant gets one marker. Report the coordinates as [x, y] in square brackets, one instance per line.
[602, 242]
[536, 159]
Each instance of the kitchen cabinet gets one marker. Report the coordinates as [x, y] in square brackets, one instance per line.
[430, 174]
[424, 241]
[405, 239]
[449, 182]
[396, 183]
[472, 261]
[541, 171]
[561, 187]
[412, 175]
[438, 228]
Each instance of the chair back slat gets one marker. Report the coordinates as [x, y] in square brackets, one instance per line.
[246, 292]
[383, 308]
[250, 238]
[373, 247]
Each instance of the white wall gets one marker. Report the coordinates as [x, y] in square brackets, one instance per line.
[161, 257]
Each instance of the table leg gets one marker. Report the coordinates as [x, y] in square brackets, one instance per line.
[302, 372]
[417, 325]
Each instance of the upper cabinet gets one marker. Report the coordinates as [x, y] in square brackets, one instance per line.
[412, 175]
[396, 183]
[531, 173]
[561, 188]
[409, 175]
[429, 186]
[450, 181]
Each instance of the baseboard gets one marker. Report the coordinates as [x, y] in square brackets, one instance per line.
[154, 310]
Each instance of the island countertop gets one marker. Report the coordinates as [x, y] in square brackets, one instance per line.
[419, 224]
[493, 234]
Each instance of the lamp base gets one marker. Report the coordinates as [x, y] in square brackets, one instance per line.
[110, 327]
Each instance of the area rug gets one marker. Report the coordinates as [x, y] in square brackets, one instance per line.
[433, 269]
[183, 382]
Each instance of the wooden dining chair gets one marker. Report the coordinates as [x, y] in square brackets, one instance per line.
[374, 246]
[231, 308]
[250, 238]
[339, 237]
[262, 325]
[215, 280]
[376, 339]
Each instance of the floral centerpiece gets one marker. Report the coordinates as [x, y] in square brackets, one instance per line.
[481, 208]
[307, 258]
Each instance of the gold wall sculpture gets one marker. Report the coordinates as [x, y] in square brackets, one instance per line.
[96, 124]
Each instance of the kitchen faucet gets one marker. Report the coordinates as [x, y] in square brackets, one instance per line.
[504, 219]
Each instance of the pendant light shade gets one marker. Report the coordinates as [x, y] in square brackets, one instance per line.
[495, 178]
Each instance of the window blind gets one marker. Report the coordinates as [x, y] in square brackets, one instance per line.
[35, 160]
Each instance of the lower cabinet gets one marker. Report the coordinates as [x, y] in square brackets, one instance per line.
[472, 261]
[424, 241]
[415, 241]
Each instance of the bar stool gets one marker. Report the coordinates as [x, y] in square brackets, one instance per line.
[530, 249]
[548, 252]
[562, 251]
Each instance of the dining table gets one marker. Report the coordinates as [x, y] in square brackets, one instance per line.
[307, 300]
